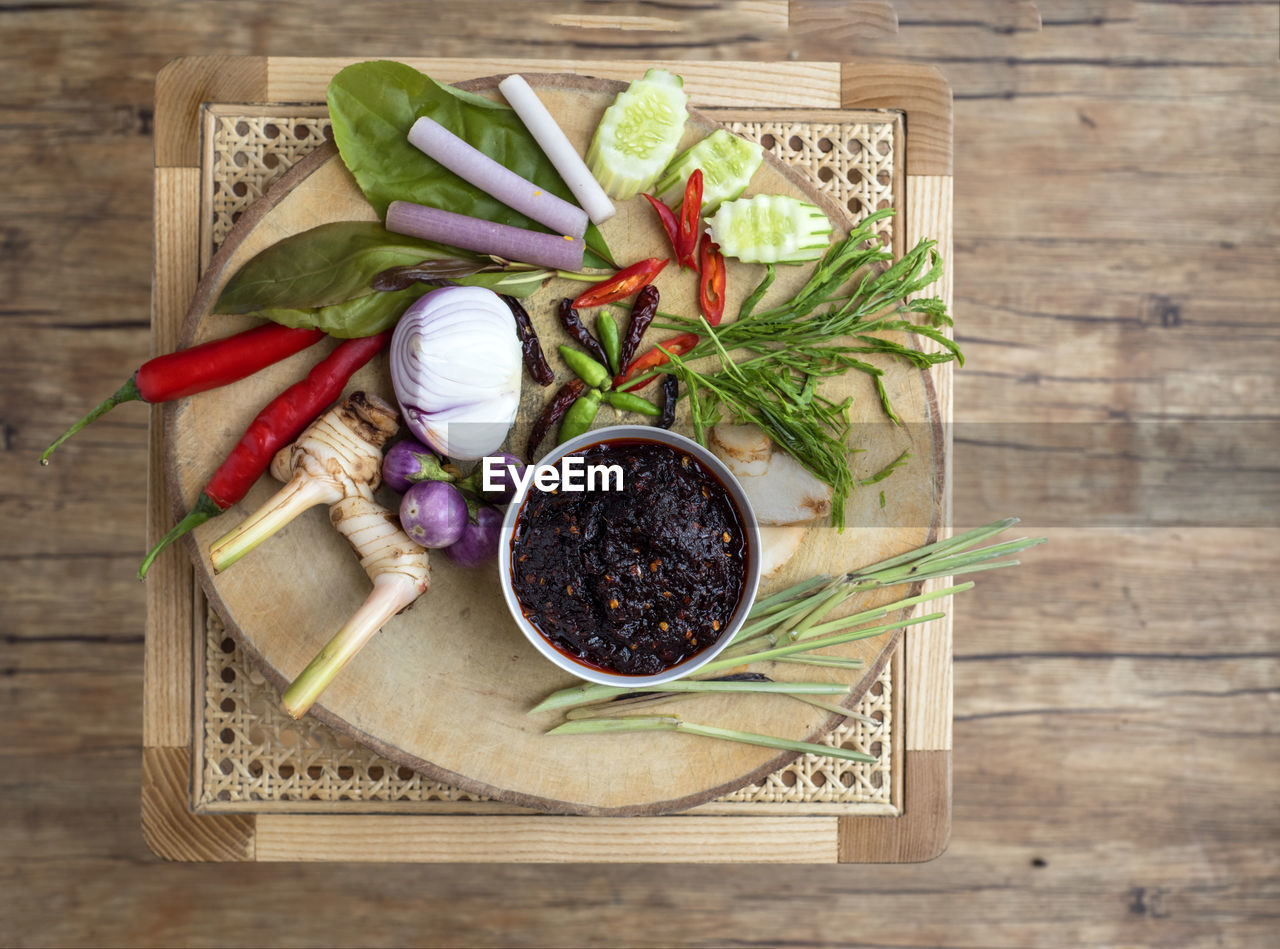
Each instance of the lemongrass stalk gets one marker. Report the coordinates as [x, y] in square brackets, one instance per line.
[833, 662]
[391, 594]
[624, 703]
[835, 625]
[589, 694]
[671, 723]
[729, 662]
[879, 612]
[780, 600]
[836, 709]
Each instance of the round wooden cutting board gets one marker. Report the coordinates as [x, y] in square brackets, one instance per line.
[445, 688]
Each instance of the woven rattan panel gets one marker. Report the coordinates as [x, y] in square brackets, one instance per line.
[253, 755]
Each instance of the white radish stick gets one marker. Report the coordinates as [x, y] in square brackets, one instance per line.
[553, 251]
[557, 147]
[473, 165]
[338, 455]
[400, 574]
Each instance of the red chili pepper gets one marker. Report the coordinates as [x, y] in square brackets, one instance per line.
[690, 212]
[278, 424]
[653, 358]
[711, 282]
[218, 362]
[623, 284]
[669, 222]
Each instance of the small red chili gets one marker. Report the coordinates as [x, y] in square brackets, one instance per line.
[653, 358]
[711, 282]
[278, 424]
[669, 222]
[690, 213]
[218, 362]
[623, 284]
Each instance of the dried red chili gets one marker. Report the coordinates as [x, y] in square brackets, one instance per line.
[553, 413]
[530, 348]
[711, 280]
[574, 326]
[278, 424]
[653, 358]
[621, 285]
[642, 313]
[690, 213]
[218, 362]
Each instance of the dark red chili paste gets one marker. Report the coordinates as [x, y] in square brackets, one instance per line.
[634, 581]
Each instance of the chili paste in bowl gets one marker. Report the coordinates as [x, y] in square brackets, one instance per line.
[633, 583]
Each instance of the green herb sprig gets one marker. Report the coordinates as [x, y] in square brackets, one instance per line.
[771, 361]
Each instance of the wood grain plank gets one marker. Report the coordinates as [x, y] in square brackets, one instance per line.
[922, 93]
[185, 83]
[923, 830]
[927, 661]
[733, 84]
[545, 839]
[171, 830]
[167, 698]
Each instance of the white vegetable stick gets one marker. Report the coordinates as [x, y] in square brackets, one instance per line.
[557, 147]
[493, 178]
[485, 237]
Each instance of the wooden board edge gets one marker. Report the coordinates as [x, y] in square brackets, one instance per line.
[927, 679]
[170, 828]
[922, 93]
[167, 660]
[183, 84]
[790, 83]
[923, 830]
[545, 839]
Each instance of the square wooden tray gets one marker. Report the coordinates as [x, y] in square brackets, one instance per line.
[175, 661]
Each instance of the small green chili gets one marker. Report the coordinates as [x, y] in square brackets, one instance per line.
[610, 340]
[587, 369]
[627, 402]
[580, 415]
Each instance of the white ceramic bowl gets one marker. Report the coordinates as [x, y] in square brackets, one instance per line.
[751, 537]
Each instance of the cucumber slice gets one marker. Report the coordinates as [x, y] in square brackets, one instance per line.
[638, 134]
[727, 161]
[770, 229]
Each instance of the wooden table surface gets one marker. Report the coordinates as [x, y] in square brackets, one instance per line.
[1117, 768]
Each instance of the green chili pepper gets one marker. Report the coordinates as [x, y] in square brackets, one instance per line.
[627, 402]
[580, 415]
[588, 370]
[610, 340]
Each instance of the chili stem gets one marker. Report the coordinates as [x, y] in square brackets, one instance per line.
[206, 509]
[126, 393]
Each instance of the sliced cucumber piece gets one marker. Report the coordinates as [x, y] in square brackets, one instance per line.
[770, 229]
[638, 134]
[727, 161]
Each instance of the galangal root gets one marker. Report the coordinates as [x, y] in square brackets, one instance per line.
[339, 455]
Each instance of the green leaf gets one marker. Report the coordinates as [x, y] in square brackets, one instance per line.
[374, 104]
[325, 265]
[363, 316]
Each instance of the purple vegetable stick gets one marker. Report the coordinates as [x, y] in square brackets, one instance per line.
[470, 164]
[553, 251]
